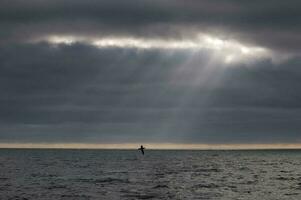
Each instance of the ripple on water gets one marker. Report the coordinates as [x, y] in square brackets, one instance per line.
[159, 175]
[160, 186]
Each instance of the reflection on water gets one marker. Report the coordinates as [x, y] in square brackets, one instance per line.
[126, 174]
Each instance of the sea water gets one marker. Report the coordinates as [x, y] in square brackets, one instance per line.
[159, 174]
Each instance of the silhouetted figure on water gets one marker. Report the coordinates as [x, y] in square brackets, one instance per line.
[141, 149]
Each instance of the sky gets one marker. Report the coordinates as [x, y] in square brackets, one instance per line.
[151, 71]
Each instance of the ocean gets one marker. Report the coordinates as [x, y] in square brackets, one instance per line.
[159, 174]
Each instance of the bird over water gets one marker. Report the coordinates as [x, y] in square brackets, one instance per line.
[142, 149]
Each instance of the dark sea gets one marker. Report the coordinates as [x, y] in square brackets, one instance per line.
[159, 174]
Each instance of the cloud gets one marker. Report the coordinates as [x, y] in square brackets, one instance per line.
[153, 71]
[273, 26]
[231, 52]
[78, 92]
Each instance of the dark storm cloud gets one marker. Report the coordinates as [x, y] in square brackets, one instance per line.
[267, 23]
[80, 93]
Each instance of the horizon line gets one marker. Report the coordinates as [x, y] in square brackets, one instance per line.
[158, 146]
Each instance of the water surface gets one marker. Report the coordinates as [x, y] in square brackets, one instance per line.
[126, 174]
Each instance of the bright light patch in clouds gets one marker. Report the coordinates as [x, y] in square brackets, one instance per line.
[229, 51]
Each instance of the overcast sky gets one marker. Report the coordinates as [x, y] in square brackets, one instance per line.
[193, 71]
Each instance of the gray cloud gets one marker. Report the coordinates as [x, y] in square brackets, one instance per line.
[269, 24]
[80, 93]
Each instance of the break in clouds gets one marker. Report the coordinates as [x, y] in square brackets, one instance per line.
[150, 71]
